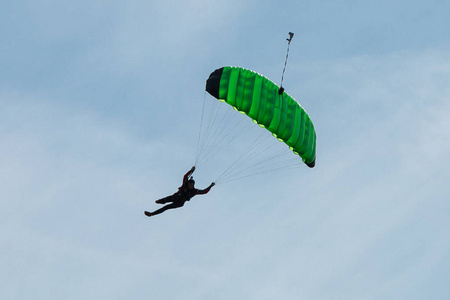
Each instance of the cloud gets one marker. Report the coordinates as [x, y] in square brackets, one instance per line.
[69, 181]
[371, 214]
[382, 139]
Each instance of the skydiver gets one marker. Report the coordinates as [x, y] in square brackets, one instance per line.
[185, 192]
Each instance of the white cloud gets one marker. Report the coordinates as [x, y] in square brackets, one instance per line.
[370, 215]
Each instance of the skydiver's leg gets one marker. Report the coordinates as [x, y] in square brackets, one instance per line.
[164, 200]
[163, 209]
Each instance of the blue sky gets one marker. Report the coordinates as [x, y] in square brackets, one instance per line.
[100, 103]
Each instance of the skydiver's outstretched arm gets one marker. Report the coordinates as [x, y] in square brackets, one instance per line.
[205, 191]
[189, 173]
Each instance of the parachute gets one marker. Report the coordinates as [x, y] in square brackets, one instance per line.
[267, 105]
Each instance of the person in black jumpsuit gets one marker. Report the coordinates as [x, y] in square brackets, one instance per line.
[185, 192]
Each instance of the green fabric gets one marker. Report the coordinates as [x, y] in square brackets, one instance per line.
[258, 97]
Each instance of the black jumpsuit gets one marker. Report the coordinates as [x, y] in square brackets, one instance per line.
[179, 198]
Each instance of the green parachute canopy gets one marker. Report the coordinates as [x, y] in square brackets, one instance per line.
[267, 105]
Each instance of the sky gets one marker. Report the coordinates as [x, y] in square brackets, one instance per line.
[100, 105]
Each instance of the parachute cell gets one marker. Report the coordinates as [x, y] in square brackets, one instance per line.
[263, 101]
